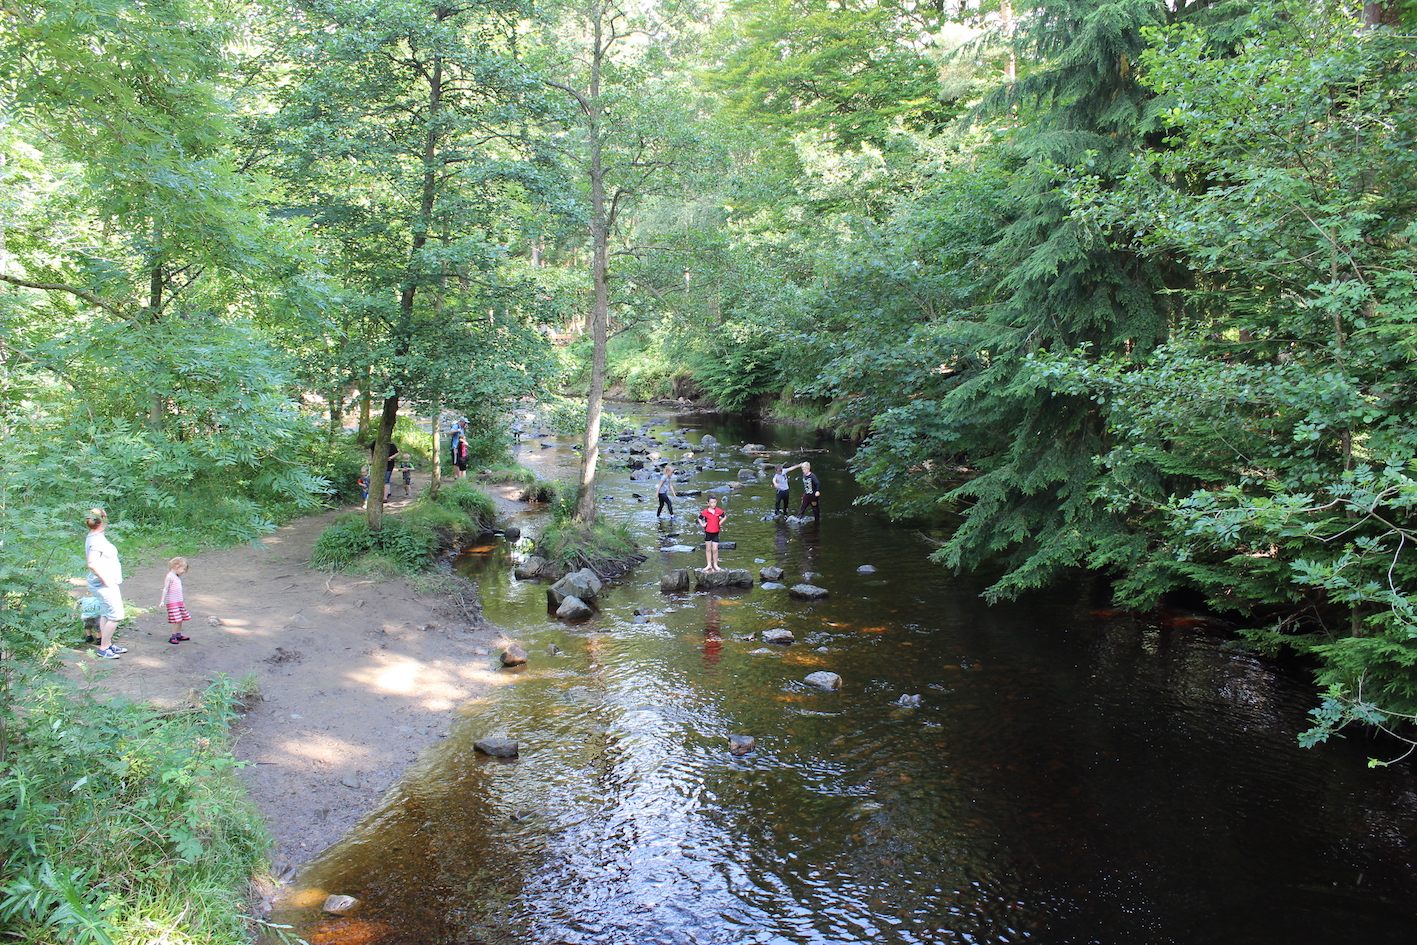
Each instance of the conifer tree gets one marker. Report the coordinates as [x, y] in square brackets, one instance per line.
[1053, 286]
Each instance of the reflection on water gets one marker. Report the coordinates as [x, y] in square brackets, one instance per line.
[1070, 775]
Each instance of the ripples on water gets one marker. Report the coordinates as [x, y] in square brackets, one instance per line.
[1071, 775]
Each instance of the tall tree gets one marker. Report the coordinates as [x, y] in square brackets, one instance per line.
[1032, 445]
[1267, 448]
[402, 133]
[635, 134]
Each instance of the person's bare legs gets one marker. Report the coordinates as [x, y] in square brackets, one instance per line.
[105, 632]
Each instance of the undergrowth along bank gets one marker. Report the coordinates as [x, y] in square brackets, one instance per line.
[566, 545]
[120, 823]
[411, 540]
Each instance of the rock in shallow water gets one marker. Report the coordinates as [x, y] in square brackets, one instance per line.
[340, 905]
[498, 747]
[807, 592]
[824, 680]
[741, 744]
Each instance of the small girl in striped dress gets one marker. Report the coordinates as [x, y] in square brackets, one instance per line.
[172, 598]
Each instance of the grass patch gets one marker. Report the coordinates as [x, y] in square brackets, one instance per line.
[608, 550]
[410, 541]
[119, 823]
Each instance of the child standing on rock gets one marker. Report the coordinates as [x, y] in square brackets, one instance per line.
[173, 600]
[712, 517]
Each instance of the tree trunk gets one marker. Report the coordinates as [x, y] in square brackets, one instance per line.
[435, 475]
[379, 463]
[364, 406]
[600, 306]
[336, 397]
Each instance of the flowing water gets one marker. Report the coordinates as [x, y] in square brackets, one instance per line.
[1071, 774]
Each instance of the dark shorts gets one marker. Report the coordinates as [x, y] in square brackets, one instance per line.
[712, 536]
[460, 462]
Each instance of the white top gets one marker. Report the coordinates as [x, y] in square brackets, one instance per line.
[779, 481]
[102, 557]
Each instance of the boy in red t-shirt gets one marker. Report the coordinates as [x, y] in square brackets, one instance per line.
[712, 517]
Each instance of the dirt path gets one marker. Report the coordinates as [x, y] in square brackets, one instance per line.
[356, 675]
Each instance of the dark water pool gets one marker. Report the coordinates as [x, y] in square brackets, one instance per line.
[1071, 775]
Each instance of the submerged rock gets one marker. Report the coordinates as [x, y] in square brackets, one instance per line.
[741, 744]
[498, 747]
[340, 905]
[771, 586]
[530, 569]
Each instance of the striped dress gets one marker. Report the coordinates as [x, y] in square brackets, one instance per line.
[172, 596]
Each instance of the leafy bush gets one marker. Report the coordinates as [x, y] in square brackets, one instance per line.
[474, 503]
[115, 819]
[735, 376]
[410, 541]
[343, 542]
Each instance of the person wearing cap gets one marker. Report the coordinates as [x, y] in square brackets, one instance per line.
[458, 445]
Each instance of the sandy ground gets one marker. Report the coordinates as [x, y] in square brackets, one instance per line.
[356, 675]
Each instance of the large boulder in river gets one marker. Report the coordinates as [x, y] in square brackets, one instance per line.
[770, 573]
[730, 577]
[674, 581]
[584, 584]
[573, 608]
[807, 592]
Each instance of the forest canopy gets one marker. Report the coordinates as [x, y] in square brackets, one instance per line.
[1122, 285]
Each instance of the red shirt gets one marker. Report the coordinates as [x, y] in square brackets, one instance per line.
[713, 518]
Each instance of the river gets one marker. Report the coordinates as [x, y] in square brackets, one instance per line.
[1072, 774]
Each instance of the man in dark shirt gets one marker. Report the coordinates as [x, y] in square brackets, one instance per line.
[811, 491]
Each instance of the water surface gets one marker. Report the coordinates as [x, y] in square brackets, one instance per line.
[1071, 775]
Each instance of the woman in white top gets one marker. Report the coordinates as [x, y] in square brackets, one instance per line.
[105, 576]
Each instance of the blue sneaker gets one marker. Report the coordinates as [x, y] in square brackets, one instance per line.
[117, 649]
[107, 654]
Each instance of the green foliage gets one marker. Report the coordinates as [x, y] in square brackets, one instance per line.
[570, 546]
[114, 817]
[1265, 452]
[474, 503]
[410, 541]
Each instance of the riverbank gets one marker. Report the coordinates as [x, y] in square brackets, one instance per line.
[352, 675]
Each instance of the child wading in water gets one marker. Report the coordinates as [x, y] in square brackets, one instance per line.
[172, 598]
